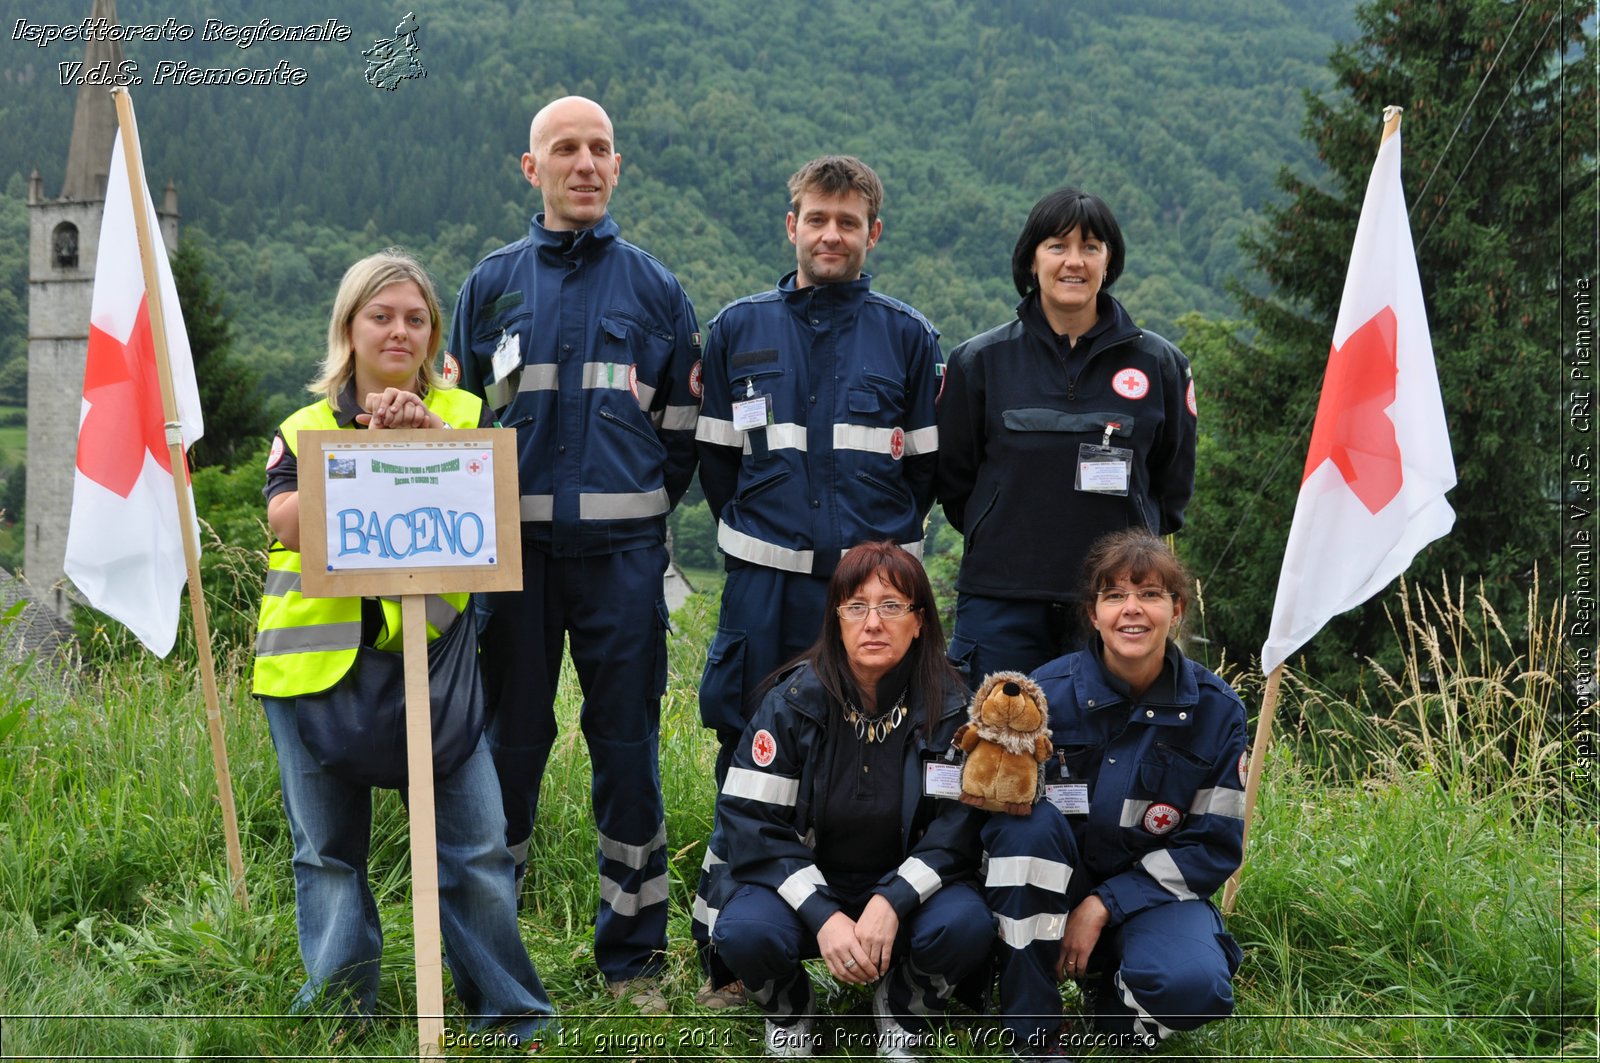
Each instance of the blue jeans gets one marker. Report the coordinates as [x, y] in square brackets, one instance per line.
[340, 939]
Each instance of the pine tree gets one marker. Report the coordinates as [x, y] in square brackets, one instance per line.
[1499, 177]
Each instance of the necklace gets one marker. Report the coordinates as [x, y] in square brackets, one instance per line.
[875, 728]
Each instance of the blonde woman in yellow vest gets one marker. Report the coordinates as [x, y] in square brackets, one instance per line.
[384, 336]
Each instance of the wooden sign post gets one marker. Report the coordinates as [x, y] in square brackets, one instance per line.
[410, 513]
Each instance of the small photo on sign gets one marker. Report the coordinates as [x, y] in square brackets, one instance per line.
[341, 468]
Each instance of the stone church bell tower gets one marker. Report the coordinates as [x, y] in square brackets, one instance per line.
[63, 240]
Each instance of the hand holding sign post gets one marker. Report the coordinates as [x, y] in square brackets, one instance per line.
[412, 513]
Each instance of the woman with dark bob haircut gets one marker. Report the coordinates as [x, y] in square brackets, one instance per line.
[1055, 428]
[842, 835]
[1149, 772]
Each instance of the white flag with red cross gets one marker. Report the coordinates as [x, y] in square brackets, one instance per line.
[1379, 463]
[124, 541]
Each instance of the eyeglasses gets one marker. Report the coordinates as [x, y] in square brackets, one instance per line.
[1146, 596]
[857, 611]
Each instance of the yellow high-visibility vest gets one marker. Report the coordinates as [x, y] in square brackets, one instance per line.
[306, 645]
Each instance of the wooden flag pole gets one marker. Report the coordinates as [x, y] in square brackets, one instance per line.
[424, 838]
[1269, 698]
[1252, 783]
[180, 482]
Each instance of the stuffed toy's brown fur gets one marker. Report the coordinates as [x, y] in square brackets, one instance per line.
[1005, 742]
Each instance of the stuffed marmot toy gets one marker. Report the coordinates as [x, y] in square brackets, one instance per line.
[1006, 741]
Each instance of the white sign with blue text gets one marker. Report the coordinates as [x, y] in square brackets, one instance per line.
[409, 507]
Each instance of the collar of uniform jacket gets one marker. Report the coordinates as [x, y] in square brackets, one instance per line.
[844, 295]
[1113, 327]
[563, 244]
[1170, 700]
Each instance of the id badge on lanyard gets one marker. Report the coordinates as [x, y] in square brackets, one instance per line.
[1102, 468]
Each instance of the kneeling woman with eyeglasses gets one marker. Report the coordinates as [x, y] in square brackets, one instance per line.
[1113, 890]
[840, 841]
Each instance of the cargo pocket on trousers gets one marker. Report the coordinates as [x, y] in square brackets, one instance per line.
[722, 683]
[664, 618]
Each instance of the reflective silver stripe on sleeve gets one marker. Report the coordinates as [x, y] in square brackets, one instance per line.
[1020, 933]
[679, 418]
[622, 505]
[1133, 813]
[1161, 867]
[1036, 871]
[538, 507]
[314, 638]
[921, 877]
[619, 900]
[280, 582]
[711, 860]
[760, 786]
[539, 378]
[1220, 801]
[608, 375]
[633, 856]
[645, 394]
[717, 431]
[798, 887]
[736, 543]
[914, 549]
[922, 440]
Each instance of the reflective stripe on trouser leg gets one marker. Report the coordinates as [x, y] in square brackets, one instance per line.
[764, 942]
[1030, 860]
[616, 625]
[944, 939]
[1174, 971]
[715, 883]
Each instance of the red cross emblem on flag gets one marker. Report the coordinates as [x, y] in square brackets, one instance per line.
[1161, 819]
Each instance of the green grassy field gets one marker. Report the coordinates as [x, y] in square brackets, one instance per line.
[1441, 905]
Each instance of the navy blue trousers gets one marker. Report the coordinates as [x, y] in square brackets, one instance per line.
[1011, 635]
[941, 942]
[768, 617]
[610, 611]
[1166, 968]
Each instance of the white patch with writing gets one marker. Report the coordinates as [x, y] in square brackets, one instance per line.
[1131, 384]
[1161, 819]
[1244, 767]
[450, 372]
[897, 443]
[763, 748]
[1189, 399]
[277, 452]
[696, 388]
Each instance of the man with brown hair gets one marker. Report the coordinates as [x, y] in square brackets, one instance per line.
[816, 432]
